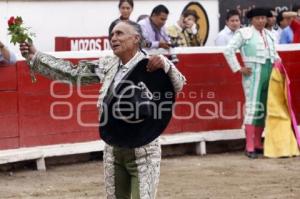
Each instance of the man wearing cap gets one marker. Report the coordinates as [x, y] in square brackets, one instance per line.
[129, 172]
[257, 48]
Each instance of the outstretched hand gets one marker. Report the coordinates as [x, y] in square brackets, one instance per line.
[27, 50]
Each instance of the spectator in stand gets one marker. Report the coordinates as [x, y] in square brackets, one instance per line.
[271, 22]
[125, 8]
[287, 35]
[295, 22]
[153, 28]
[233, 23]
[6, 55]
[282, 23]
[185, 32]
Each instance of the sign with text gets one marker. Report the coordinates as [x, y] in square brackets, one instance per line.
[81, 43]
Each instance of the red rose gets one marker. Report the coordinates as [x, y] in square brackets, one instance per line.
[18, 21]
[11, 21]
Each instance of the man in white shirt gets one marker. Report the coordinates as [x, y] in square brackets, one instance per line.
[271, 22]
[233, 23]
[282, 23]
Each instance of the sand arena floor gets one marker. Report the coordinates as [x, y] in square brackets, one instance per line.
[217, 176]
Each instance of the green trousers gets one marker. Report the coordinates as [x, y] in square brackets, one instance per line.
[132, 173]
[256, 92]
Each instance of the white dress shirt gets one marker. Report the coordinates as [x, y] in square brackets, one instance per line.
[224, 37]
[278, 35]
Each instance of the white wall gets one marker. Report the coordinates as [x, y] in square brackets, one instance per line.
[49, 19]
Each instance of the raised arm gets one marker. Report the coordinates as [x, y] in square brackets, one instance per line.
[58, 69]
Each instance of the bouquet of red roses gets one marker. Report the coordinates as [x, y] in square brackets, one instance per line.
[20, 34]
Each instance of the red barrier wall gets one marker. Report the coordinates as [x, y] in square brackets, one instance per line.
[9, 128]
[211, 100]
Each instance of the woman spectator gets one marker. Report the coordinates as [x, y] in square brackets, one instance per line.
[125, 8]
